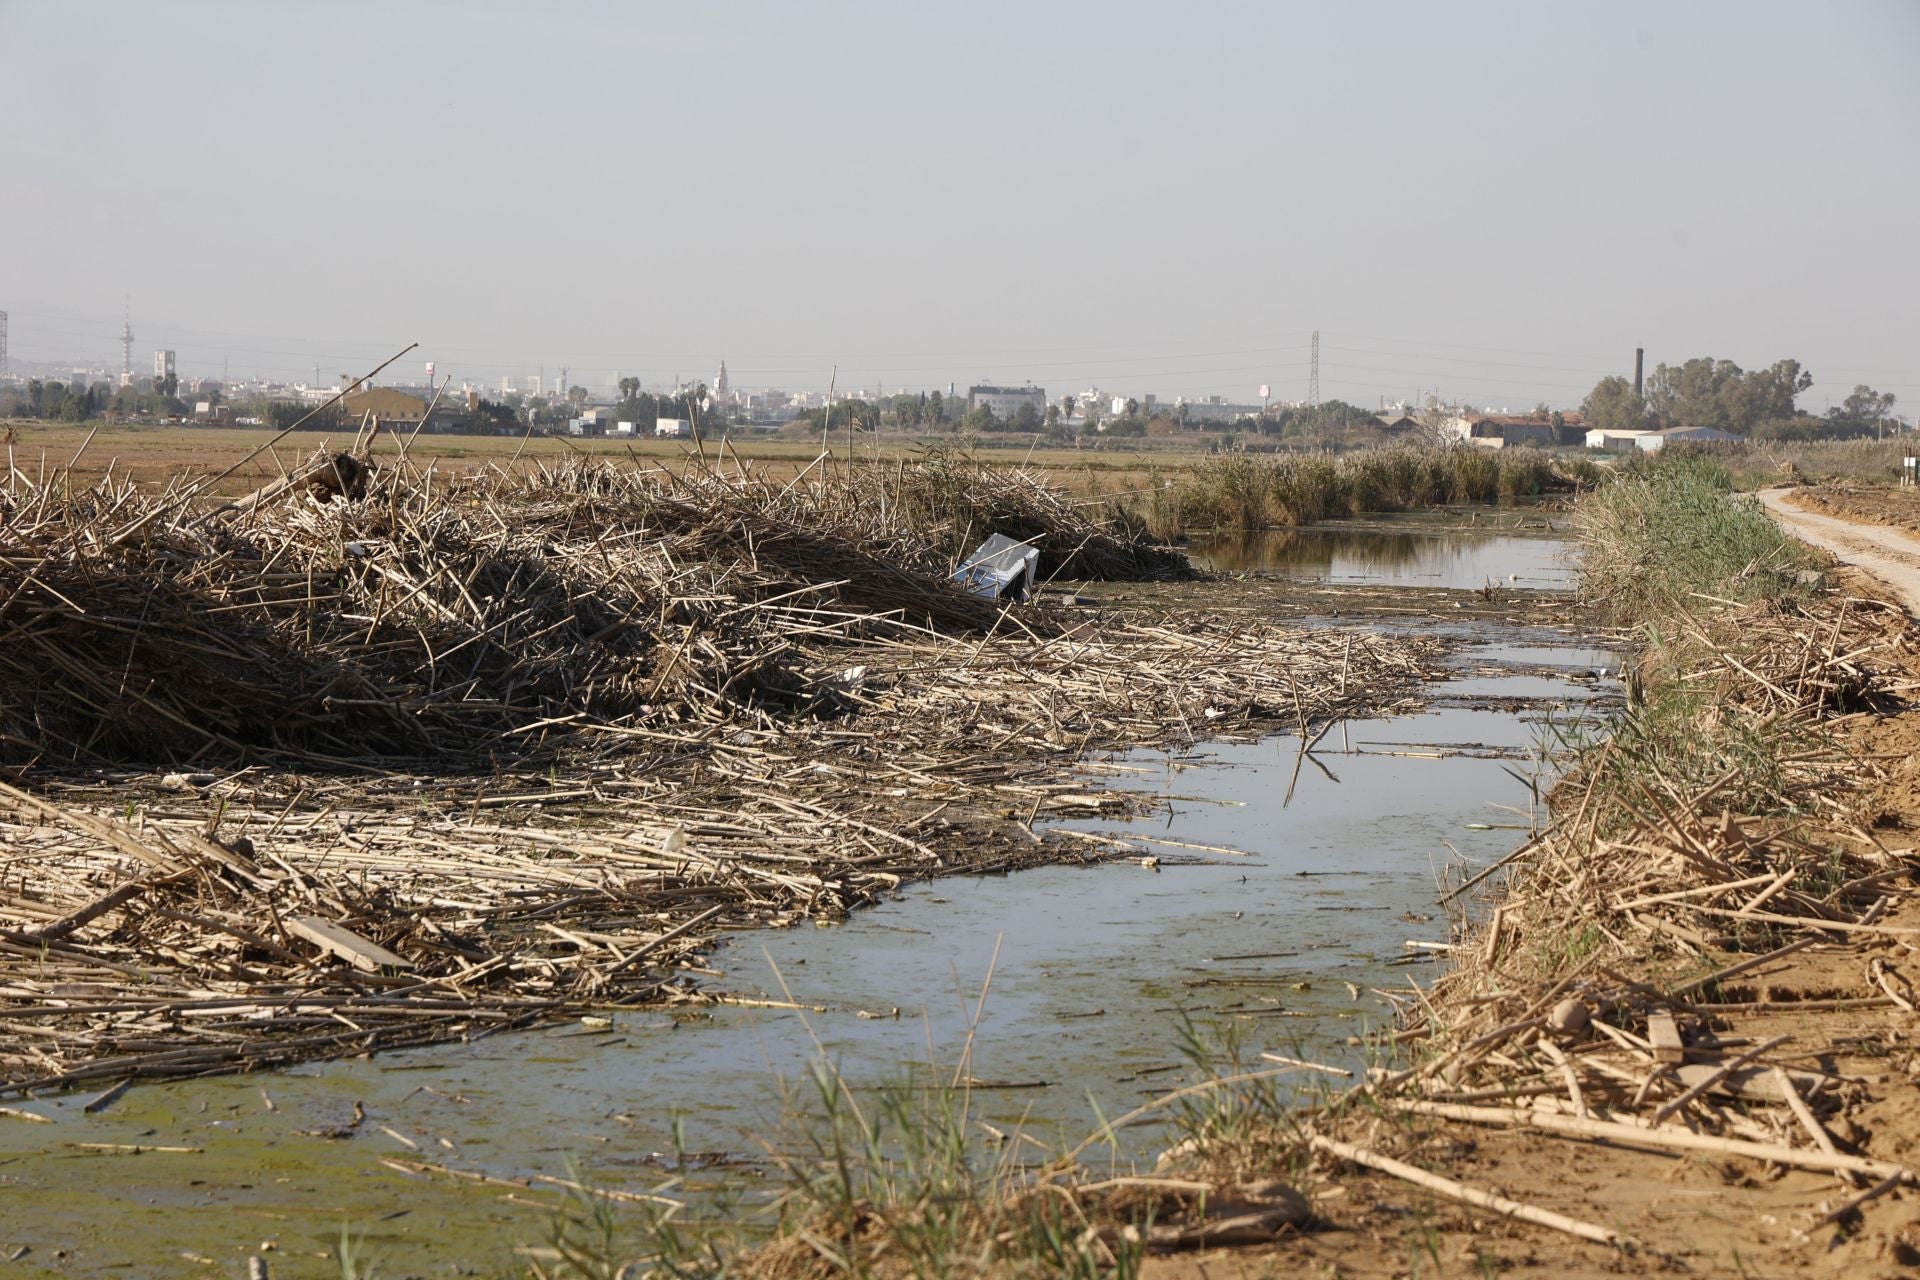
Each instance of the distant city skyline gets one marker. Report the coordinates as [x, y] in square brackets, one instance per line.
[1500, 202]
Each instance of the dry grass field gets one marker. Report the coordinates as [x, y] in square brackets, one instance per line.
[151, 454]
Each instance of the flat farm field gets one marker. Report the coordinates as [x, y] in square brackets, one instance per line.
[152, 454]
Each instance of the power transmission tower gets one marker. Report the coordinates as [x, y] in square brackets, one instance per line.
[1313, 373]
[3, 345]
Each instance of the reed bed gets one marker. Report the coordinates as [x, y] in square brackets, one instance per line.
[1247, 492]
[377, 759]
[1654, 538]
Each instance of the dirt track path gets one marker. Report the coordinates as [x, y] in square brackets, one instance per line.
[1883, 551]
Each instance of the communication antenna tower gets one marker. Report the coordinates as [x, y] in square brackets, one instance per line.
[3, 345]
[126, 348]
[563, 381]
[1313, 373]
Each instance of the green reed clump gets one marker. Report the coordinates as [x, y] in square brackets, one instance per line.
[1242, 493]
[1232, 491]
[1308, 488]
[1476, 474]
[1525, 474]
[895, 1182]
[1663, 532]
[1754, 464]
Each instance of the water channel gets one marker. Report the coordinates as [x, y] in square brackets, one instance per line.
[1336, 858]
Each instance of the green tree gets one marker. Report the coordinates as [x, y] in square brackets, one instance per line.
[937, 408]
[1025, 418]
[1865, 412]
[1053, 417]
[629, 388]
[1802, 426]
[1705, 392]
[1691, 394]
[282, 414]
[78, 406]
[1613, 405]
[1768, 393]
[1067, 404]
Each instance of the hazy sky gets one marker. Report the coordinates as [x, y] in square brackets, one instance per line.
[1498, 200]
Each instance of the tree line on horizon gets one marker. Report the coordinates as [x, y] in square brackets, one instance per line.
[1759, 404]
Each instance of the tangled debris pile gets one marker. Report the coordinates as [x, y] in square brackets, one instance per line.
[572, 724]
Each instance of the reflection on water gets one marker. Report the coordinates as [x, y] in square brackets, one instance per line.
[1457, 559]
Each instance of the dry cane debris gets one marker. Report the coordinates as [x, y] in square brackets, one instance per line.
[375, 758]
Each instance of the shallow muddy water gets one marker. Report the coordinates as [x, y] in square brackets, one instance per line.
[1093, 970]
[1414, 552]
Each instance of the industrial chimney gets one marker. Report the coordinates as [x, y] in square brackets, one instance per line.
[1639, 367]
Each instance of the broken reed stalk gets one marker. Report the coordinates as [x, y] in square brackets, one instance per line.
[1468, 1195]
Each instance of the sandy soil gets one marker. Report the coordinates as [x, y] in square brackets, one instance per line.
[1877, 547]
[1863, 503]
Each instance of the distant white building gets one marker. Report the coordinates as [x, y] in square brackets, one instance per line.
[1216, 409]
[1615, 441]
[1499, 430]
[673, 428]
[1006, 401]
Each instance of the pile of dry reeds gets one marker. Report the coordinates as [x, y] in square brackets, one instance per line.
[957, 501]
[699, 704]
[421, 616]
